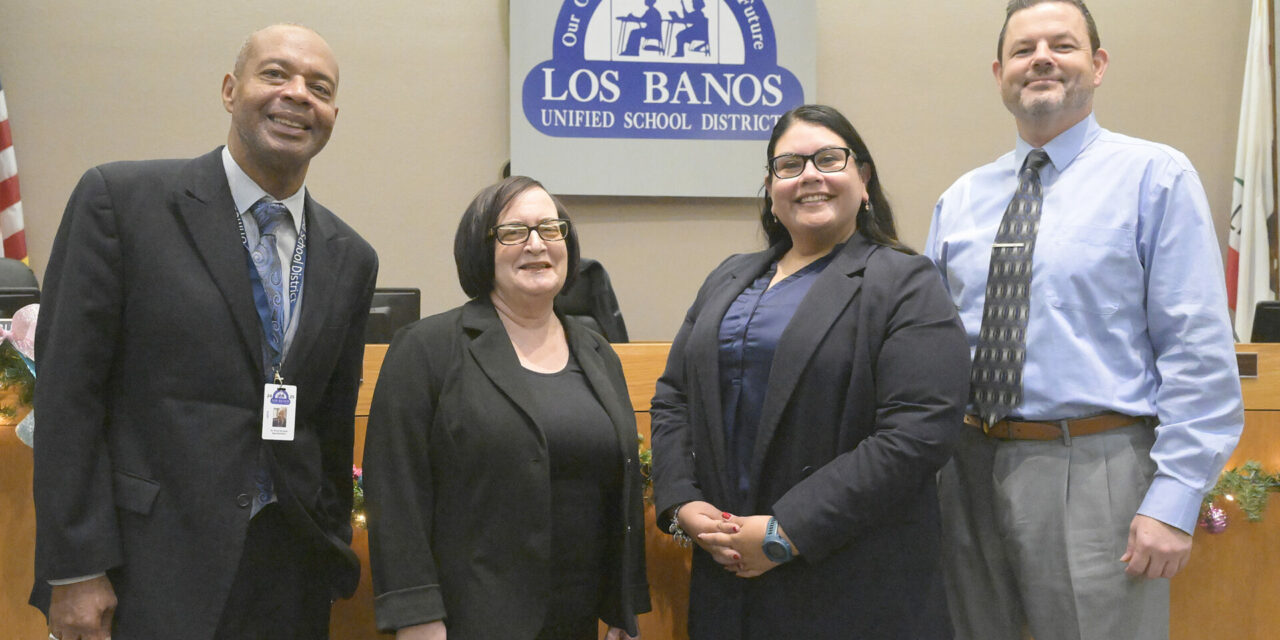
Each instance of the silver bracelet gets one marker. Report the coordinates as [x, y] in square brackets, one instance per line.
[674, 529]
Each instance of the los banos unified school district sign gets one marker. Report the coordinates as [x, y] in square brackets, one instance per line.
[706, 70]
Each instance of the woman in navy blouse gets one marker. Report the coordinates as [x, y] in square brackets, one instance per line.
[810, 397]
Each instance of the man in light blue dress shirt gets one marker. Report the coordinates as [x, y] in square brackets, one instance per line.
[1128, 345]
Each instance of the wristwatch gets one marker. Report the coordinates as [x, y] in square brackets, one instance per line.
[776, 548]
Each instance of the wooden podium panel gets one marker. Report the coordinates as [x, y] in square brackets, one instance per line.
[17, 540]
[1229, 587]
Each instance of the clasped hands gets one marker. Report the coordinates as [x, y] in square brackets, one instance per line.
[733, 541]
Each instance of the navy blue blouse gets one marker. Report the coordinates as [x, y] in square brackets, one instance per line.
[749, 334]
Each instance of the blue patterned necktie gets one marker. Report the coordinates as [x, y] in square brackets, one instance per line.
[269, 215]
[995, 382]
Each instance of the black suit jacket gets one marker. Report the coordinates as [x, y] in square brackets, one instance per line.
[865, 395]
[150, 394]
[457, 482]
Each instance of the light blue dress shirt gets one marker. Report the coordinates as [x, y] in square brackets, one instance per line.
[1128, 300]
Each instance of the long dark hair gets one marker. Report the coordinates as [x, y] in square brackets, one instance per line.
[877, 225]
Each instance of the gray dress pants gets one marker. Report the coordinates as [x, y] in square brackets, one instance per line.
[1033, 532]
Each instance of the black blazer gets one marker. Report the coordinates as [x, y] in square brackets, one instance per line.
[150, 394]
[457, 482]
[865, 397]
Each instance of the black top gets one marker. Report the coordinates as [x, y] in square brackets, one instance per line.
[585, 481]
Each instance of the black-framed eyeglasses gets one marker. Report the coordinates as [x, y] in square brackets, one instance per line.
[828, 160]
[550, 230]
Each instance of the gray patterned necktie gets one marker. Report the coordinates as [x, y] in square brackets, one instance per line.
[995, 382]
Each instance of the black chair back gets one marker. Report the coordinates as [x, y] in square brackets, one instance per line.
[592, 301]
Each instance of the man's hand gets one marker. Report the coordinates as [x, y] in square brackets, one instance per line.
[1156, 550]
[698, 518]
[82, 610]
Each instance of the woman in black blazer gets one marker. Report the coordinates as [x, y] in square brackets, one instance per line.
[810, 396]
[501, 480]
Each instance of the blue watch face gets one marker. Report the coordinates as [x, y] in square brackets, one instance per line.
[774, 546]
[777, 551]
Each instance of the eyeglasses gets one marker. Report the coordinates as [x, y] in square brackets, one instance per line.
[829, 160]
[550, 230]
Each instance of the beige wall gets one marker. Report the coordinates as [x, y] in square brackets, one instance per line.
[423, 121]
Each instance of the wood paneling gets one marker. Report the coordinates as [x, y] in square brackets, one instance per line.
[642, 363]
[1263, 392]
[17, 540]
[1229, 587]
[373, 355]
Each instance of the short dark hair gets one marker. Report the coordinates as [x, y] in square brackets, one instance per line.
[473, 249]
[877, 226]
[1015, 6]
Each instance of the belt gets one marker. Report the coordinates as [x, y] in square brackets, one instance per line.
[1019, 430]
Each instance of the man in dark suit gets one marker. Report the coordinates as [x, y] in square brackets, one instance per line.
[167, 503]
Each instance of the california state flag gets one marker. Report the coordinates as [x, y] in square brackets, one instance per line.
[1249, 273]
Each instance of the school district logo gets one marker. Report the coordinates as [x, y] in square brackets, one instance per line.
[674, 69]
[280, 397]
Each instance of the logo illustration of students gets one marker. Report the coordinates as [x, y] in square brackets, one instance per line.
[694, 31]
[647, 26]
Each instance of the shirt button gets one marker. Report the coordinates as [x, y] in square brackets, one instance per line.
[244, 500]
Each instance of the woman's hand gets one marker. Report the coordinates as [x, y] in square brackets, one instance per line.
[699, 519]
[748, 544]
[429, 631]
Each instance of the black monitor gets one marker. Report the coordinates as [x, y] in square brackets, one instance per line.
[1266, 322]
[14, 298]
[391, 309]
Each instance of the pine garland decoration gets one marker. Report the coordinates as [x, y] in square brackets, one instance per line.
[14, 372]
[1248, 486]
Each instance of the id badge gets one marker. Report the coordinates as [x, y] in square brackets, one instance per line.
[279, 408]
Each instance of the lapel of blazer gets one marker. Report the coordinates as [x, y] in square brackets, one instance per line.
[491, 347]
[588, 355]
[705, 347]
[326, 251]
[830, 295]
[205, 209]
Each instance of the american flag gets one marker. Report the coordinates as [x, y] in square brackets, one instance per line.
[11, 227]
